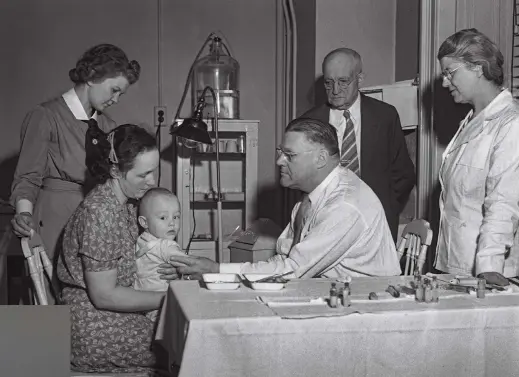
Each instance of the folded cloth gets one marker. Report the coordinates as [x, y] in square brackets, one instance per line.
[291, 301]
[303, 307]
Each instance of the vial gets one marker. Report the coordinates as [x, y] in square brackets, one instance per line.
[241, 144]
[419, 291]
[340, 297]
[427, 293]
[480, 293]
[417, 280]
[333, 296]
[346, 295]
[435, 292]
[416, 276]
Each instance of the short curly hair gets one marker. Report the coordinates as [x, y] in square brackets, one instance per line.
[475, 48]
[104, 61]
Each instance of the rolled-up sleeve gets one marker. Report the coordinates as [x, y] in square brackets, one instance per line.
[501, 204]
[32, 162]
[336, 228]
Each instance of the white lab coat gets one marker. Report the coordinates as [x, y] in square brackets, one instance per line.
[479, 202]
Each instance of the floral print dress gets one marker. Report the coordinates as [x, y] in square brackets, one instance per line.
[101, 236]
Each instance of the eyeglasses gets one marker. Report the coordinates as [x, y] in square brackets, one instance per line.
[343, 82]
[289, 155]
[449, 74]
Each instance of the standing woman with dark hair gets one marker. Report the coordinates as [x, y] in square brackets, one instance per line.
[479, 174]
[51, 177]
[97, 263]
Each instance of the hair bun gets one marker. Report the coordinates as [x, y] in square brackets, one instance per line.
[136, 67]
[74, 76]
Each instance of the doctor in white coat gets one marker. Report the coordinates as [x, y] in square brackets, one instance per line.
[479, 174]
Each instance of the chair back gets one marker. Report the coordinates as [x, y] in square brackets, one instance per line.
[412, 247]
[39, 264]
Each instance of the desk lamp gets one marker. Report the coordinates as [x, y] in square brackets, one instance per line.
[193, 131]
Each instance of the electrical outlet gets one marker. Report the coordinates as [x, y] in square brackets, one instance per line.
[159, 115]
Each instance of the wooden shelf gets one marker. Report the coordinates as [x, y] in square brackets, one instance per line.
[211, 197]
[223, 155]
[197, 174]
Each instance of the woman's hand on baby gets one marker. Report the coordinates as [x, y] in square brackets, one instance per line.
[192, 268]
[168, 272]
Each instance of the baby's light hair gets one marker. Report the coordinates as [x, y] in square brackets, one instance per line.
[151, 194]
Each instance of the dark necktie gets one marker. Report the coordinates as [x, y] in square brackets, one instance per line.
[91, 122]
[92, 134]
[300, 219]
[349, 154]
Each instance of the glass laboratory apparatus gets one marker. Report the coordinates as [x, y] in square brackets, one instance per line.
[220, 71]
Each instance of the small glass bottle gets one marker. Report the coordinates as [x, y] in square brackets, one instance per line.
[417, 278]
[427, 292]
[333, 296]
[435, 292]
[419, 291]
[346, 295]
[340, 297]
[480, 292]
[241, 144]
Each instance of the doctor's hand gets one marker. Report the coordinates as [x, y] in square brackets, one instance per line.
[23, 224]
[168, 272]
[192, 268]
[494, 278]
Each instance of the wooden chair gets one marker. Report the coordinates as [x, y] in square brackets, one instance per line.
[39, 264]
[416, 238]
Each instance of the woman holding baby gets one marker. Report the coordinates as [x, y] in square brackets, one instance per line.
[110, 332]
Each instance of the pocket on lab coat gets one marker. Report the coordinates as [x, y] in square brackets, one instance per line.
[461, 243]
[476, 151]
[472, 167]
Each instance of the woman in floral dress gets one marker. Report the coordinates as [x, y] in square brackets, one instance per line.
[97, 263]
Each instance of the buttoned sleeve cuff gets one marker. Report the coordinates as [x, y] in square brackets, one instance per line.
[490, 263]
[24, 205]
[230, 268]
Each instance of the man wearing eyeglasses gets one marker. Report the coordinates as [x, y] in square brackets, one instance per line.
[337, 230]
[371, 140]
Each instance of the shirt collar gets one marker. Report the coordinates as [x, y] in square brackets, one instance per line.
[316, 193]
[74, 104]
[354, 111]
[495, 107]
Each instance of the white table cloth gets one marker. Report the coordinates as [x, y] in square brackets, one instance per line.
[232, 334]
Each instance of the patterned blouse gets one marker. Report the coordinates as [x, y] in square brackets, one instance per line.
[100, 236]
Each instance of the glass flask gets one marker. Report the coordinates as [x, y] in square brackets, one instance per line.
[221, 72]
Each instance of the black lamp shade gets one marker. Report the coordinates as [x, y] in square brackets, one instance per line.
[194, 130]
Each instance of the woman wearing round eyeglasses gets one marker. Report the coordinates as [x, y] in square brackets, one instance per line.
[479, 174]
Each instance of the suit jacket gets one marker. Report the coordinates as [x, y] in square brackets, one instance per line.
[384, 159]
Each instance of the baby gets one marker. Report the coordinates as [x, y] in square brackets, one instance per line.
[159, 216]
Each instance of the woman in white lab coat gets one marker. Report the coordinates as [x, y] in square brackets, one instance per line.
[479, 174]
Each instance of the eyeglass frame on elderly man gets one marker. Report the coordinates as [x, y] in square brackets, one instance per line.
[290, 155]
[449, 74]
[343, 84]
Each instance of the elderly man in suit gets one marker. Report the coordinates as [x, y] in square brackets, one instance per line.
[371, 140]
